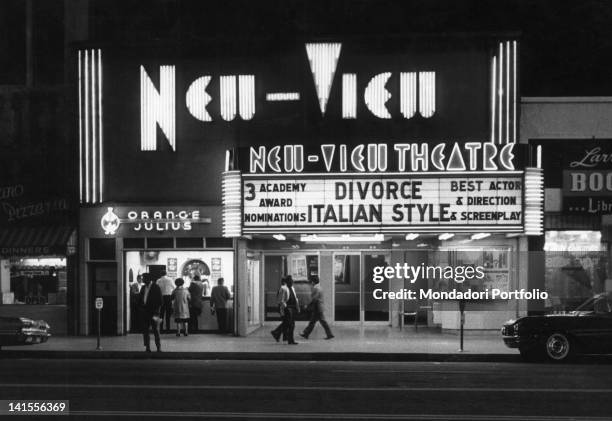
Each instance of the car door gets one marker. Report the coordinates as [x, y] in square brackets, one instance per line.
[603, 314]
[594, 329]
[607, 339]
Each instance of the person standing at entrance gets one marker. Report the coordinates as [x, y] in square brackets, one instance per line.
[316, 309]
[195, 305]
[149, 305]
[218, 302]
[167, 286]
[134, 294]
[180, 301]
[290, 306]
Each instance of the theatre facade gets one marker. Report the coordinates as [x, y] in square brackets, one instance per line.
[320, 157]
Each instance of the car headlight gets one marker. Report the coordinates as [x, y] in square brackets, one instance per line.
[27, 322]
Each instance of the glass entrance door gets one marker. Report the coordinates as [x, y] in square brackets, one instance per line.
[253, 291]
[347, 283]
[374, 310]
[354, 287]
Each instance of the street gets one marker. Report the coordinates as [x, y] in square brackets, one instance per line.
[313, 390]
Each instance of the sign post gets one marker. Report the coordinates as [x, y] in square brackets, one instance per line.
[99, 306]
[461, 323]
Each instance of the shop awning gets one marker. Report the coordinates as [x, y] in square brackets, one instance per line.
[35, 241]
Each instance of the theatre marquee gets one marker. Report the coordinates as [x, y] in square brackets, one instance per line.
[461, 190]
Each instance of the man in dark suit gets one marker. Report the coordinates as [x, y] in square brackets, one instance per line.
[195, 305]
[149, 305]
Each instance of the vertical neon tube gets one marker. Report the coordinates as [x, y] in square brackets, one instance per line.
[171, 116]
[100, 142]
[143, 145]
[493, 93]
[427, 92]
[246, 96]
[408, 94]
[515, 92]
[80, 128]
[94, 132]
[349, 96]
[228, 97]
[86, 69]
[501, 91]
[433, 93]
[507, 91]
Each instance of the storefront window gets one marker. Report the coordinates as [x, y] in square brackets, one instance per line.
[208, 265]
[493, 261]
[36, 281]
[575, 267]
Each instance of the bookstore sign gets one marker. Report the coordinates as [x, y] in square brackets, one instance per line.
[587, 179]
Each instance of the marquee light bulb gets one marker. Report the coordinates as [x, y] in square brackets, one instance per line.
[480, 236]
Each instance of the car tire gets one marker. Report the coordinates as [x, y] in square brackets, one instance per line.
[558, 347]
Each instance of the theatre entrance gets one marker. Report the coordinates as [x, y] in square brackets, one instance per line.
[354, 287]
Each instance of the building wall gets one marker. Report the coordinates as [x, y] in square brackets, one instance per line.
[565, 118]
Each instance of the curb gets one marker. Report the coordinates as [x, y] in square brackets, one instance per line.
[262, 356]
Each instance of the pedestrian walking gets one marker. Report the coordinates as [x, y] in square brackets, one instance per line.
[280, 329]
[290, 306]
[167, 286]
[180, 306]
[218, 302]
[316, 310]
[149, 305]
[195, 305]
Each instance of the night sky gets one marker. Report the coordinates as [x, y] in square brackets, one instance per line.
[566, 46]
[565, 50]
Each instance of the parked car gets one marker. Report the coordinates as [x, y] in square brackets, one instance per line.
[23, 331]
[558, 337]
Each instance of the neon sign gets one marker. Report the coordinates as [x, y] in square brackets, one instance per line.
[237, 94]
[382, 157]
[152, 220]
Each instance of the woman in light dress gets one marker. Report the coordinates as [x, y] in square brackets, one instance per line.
[180, 305]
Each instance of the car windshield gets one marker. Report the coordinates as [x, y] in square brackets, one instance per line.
[599, 303]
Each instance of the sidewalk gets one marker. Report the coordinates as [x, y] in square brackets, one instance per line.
[351, 343]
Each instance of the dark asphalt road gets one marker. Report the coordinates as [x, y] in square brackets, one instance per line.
[313, 390]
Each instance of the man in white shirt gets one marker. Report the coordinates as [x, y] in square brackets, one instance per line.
[167, 286]
[289, 308]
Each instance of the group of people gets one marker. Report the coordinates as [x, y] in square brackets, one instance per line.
[184, 303]
[157, 301]
[289, 308]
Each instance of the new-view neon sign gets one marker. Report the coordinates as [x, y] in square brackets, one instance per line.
[382, 157]
[237, 97]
